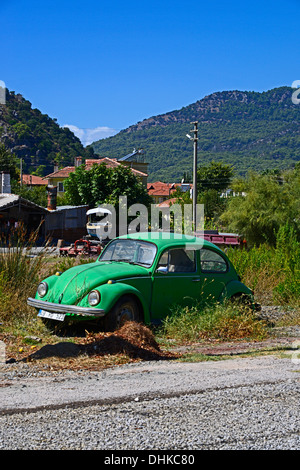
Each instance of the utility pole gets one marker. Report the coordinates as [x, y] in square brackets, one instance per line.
[195, 140]
[195, 174]
[21, 172]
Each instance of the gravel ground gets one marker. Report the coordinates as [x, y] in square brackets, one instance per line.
[241, 403]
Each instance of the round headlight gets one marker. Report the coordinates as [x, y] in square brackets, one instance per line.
[94, 298]
[42, 289]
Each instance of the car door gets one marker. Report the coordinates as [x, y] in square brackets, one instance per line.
[176, 281]
[215, 274]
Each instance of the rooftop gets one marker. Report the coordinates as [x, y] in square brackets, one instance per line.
[33, 180]
[109, 162]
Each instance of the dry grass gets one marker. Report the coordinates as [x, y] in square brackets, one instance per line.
[133, 342]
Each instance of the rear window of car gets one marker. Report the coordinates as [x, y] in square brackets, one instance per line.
[212, 262]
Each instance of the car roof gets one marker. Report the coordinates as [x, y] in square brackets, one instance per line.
[165, 239]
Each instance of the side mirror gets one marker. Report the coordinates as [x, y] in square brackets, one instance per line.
[162, 269]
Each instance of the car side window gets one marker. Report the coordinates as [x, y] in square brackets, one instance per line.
[212, 262]
[177, 260]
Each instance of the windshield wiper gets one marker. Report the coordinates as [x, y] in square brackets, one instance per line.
[125, 260]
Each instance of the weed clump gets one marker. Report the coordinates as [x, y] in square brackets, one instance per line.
[19, 274]
[222, 322]
[273, 272]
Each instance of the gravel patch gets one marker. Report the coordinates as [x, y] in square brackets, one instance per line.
[250, 403]
[237, 404]
[257, 417]
[274, 313]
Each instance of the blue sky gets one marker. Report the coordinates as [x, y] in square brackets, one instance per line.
[102, 66]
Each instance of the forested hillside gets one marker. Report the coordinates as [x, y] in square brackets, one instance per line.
[35, 137]
[250, 130]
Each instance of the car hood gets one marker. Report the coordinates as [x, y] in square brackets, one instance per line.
[72, 285]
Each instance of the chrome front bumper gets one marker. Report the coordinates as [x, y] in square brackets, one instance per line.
[60, 308]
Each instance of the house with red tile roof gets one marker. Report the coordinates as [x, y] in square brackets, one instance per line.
[59, 175]
[33, 180]
[168, 202]
[161, 192]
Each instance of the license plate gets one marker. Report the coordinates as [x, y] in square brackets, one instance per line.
[51, 316]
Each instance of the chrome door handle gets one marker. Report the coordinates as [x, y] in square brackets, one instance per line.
[196, 280]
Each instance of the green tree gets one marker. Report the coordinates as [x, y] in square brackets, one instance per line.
[212, 180]
[268, 204]
[215, 175]
[9, 162]
[37, 195]
[102, 184]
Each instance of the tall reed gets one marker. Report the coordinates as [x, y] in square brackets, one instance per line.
[273, 272]
[19, 271]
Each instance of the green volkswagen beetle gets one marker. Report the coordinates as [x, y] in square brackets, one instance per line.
[139, 277]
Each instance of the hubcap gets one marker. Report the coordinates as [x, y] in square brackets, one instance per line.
[126, 313]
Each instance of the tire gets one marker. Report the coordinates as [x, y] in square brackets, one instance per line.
[126, 309]
[242, 300]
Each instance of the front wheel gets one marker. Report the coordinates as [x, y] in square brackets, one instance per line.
[126, 309]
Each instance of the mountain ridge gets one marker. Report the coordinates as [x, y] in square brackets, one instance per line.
[247, 129]
[250, 130]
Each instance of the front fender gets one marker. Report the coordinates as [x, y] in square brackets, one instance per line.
[111, 293]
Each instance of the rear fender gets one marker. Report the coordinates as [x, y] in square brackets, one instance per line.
[235, 288]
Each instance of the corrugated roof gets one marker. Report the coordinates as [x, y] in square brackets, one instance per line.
[9, 200]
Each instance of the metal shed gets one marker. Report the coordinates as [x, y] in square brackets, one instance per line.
[14, 210]
[66, 222]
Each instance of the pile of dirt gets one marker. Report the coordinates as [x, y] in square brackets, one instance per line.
[138, 334]
[133, 339]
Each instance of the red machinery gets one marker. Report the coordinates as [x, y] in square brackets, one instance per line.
[222, 240]
[82, 247]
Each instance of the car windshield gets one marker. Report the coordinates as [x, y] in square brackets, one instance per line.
[130, 251]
